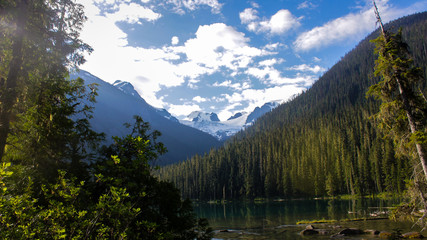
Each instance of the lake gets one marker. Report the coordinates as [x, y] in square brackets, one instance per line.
[277, 219]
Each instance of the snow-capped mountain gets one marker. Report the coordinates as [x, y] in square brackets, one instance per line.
[222, 130]
[259, 111]
[197, 116]
[117, 104]
[126, 87]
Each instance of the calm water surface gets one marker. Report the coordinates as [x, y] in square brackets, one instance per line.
[277, 220]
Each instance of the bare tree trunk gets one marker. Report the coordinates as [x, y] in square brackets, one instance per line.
[411, 120]
[8, 98]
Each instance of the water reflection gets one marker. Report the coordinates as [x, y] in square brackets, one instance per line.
[250, 215]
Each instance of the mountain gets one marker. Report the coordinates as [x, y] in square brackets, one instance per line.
[126, 87]
[323, 142]
[118, 103]
[237, 115]
[197, 116]
[164, 113]
[223, 130]
[259, 111]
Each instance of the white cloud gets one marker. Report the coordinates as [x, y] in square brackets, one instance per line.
[182, 5]
[340, 29]
[174, 40]
[248, 15]
[316, 59]
[307, 68]
[218, 45]
[271, 62]
[133, 13]
[182, 110]
[254, 5]
[199, 99]
[234, 86]
[353, 26]
[306, 4]
[272, 77]
[279, 23]
[275, 46]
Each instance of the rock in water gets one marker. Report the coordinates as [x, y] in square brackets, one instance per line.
[412, 235]
[350, 231]
[372, 232]
[306, 232]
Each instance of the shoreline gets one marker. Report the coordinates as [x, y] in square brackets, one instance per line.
[357, 229]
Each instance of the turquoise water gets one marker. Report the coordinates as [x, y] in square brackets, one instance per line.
[277, 220]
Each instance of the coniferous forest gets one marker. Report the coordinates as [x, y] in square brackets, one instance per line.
[323, 142]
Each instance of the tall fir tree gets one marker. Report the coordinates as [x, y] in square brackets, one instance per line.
[39, 41]
[403, 112]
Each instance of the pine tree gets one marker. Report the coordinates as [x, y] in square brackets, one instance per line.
[403, 112]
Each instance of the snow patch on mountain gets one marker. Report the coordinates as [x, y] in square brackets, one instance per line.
[222, 130]
[164, 113]
[197, 116]
[126, 87]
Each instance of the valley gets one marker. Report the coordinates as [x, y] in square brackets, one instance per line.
[185, 120]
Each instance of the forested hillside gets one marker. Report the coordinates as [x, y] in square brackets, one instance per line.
[323, 142]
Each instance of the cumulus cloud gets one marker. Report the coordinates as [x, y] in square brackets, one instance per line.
[218, 45]
[199, 99]
[279, 23]
[182, 110]
[133, 13]
[181, 6]
[307, 68]
[248, 15]
[174, 40]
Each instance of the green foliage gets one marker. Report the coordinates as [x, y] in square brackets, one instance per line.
[122, 201]
[400, 82]
[56, 183]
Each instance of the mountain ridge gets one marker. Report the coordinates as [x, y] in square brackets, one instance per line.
[116, 105]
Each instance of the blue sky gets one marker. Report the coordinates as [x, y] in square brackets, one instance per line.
[225, 56]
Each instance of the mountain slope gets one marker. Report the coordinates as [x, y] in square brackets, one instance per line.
[118, 104]
[321, 143]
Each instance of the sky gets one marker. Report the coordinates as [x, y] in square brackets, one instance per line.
[225, 56]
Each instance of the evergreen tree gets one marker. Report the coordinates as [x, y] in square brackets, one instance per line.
[39, 41]
[403, 113]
